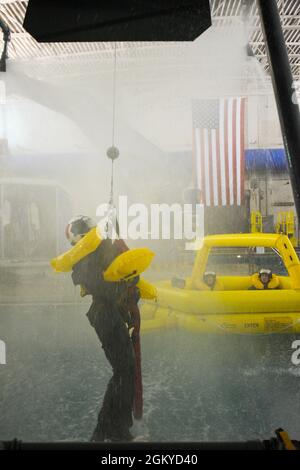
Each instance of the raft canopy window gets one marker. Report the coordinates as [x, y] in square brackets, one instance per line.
[244, 261]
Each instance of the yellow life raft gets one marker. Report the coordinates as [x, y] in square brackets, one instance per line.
[234, 309]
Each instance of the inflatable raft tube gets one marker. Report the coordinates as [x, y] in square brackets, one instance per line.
[157, 318]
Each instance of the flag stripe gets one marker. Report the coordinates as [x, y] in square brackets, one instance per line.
[226, 153]
[195, 159]
[230, 150]
[234, 146]
[214, 167]
[198, 158]
[242, 159]
[211, 178]
[219, 169]
[239, 150]
[222, 153]
[202, 167]
[206, 168]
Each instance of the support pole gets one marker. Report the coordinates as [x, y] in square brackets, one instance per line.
[283, 86]
[6, 38]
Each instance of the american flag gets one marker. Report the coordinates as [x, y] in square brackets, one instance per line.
[218, 138]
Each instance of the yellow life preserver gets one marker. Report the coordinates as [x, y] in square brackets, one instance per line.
[256, 282]
[128, 265]
[83, 247]
[147, 290]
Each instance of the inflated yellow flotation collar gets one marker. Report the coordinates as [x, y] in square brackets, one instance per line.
[83, 247]
[128, 265]
[147, 290]
[256, 282]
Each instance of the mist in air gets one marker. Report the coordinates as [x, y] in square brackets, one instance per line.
[57, 124]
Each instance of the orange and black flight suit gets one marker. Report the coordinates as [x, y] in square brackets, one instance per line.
[109, 315]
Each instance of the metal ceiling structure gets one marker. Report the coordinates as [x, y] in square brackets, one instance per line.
[224, 13]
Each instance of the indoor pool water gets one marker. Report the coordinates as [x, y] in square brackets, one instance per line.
[196, 387]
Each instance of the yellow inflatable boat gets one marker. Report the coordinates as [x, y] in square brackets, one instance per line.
[232, 308]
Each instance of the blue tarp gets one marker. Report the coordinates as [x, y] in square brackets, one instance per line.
[266, 159]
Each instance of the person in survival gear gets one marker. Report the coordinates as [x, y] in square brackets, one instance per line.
[209, 279]
[264, 280]
[109, 315]
[211, 282]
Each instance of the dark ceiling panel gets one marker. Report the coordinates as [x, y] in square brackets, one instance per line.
[117, 20]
